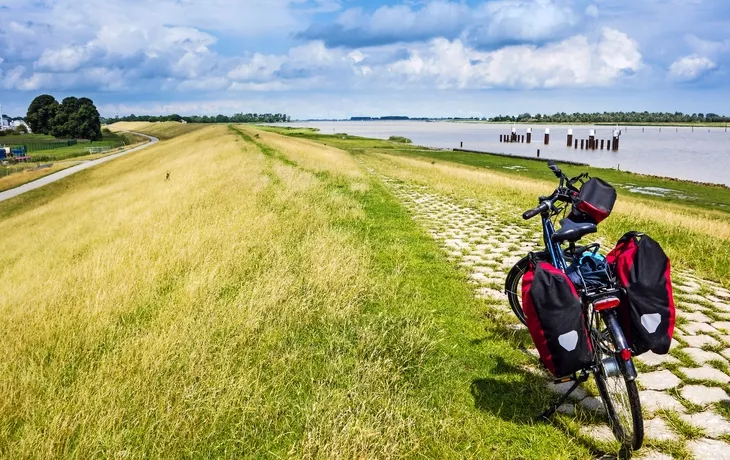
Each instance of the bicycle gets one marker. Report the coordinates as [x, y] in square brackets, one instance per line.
[612, 364]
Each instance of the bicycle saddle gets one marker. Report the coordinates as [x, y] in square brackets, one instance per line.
[572, 231]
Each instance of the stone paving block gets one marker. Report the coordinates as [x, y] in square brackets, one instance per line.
[721, 306]
[724, 293]
[709, 449]
[652, 359]
[705, 373]
[601, 433]
[645, 454]
[702, 356]
[652, 401]
[689, 287]
[726, 353]
[691, 306]
[702, 395]
[660, 380]
[722, 325]
[695, 298]
[567, 409]
[657, 429]
[695, 328]
[695, 316]
[713, 424]
[593, 404]
[562, 388]
[699, 341]
[489, 293]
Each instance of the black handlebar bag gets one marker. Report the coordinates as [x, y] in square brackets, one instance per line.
[555, 319]
[647, 311]
[594, 201]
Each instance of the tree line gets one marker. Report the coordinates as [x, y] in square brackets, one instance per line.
[73, 118]
[237, 118]
[615, 117]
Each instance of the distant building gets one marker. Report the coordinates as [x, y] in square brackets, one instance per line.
[19, 123]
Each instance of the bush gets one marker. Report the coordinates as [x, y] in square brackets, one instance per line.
[400, 139]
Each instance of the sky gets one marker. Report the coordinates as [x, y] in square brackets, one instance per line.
[342, 58]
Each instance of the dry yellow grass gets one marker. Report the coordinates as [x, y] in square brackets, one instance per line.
[311, 155]
[139, 280]
[165, 130]
[20, 178]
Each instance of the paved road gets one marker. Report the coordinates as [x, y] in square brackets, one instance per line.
[13, 192]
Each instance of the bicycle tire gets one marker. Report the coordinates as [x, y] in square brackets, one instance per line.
[513, 281]
[620, 397]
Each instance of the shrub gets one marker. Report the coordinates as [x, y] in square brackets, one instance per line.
[400, 139]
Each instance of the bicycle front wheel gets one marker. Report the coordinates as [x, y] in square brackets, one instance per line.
[618, 391]
[513, 284]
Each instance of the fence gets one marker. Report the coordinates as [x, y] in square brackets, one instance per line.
[49, 145]
[102, 149]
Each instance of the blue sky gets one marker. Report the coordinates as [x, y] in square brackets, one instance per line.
[341, 58]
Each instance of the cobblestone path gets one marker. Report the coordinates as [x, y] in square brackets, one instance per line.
[684, 393]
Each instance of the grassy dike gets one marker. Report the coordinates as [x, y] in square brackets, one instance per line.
[695, 233]
[273, 301]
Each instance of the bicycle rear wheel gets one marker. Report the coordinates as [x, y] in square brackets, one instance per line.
[619, 393]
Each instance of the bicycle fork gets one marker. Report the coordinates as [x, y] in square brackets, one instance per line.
[623, 350]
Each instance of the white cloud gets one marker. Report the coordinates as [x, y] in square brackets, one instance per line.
[690, 67]
[525, 20]
[592, 11]
[573, 62]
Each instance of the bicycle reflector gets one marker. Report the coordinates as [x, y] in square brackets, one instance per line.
[606, 303]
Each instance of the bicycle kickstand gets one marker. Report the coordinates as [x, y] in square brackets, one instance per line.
[559, 402]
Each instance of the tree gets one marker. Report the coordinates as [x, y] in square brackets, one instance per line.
[77, 118]
[41, 113]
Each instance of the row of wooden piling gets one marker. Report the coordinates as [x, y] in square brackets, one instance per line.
[590, 144]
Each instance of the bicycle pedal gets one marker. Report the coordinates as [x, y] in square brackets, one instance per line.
[572, 378]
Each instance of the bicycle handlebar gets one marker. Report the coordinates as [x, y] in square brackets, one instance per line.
[544, 206]
[562, 193]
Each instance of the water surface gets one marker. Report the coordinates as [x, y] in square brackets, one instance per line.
[698, 154]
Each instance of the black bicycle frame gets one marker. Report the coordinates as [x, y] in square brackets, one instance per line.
[554, 249]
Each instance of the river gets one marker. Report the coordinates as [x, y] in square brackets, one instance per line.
[697, 154]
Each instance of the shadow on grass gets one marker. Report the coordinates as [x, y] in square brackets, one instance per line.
[518, 396]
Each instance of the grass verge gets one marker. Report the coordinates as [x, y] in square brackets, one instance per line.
[252, 306]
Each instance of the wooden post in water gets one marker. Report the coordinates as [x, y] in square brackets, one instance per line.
[461, 144]
[576, 143]
[615, 140]
[581, 143]
[547, 136]
[514, 135]
[608, 145]
[570, 137]
[538, 153]
[601, 144]
[501, 138]
[529, 135]
[591, 139]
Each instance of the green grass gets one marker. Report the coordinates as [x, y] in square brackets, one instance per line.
[249, 307]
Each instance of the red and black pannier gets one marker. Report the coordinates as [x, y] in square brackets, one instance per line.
[555, 319]
[594, 202]
[647, 311]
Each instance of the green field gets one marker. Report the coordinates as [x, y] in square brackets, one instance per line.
[276, 300]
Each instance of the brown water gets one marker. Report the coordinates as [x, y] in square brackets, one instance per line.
[698, 154]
